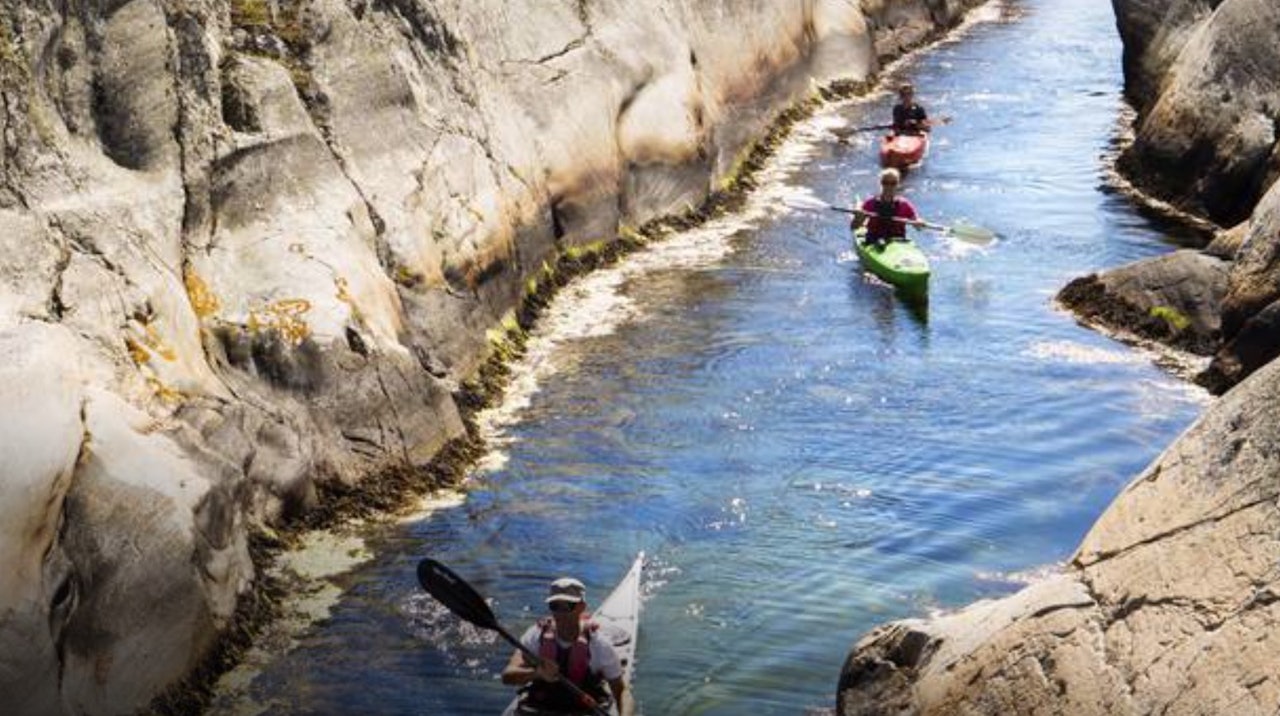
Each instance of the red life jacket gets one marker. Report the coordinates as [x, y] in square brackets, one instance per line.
[575, 665]
[578, 665]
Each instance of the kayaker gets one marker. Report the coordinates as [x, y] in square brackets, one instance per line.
[886, 214]
[908, 116]
[570, 649]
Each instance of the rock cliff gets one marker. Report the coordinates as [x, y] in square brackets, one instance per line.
[1202, 75]
[1170, 603]
[252, 250]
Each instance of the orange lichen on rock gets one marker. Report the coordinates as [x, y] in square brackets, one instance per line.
[283, 317]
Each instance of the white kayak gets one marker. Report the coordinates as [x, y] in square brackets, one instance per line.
[619, 620]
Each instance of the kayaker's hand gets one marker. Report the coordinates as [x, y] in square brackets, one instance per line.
[546, 671]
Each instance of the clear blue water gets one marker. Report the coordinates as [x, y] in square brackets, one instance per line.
[802, 453]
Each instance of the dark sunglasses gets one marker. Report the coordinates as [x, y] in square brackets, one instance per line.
[563, 607]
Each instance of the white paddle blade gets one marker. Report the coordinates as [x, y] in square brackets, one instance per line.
[972, 234]
[807, 203]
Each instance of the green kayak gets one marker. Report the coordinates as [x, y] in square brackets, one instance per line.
[899, 262]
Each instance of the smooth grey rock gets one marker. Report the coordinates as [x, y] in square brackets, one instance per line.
[41, 431]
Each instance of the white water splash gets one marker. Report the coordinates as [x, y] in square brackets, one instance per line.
[1149, 398]
[1022, 577]
[1068, 352]
[310, 572]
[429, 504]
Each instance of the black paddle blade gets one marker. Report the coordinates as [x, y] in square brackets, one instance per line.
[454, 592]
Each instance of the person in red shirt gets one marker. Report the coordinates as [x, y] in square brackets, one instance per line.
[886, 214]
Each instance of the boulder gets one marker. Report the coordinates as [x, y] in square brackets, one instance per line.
[1201, 74]
[1174, 299]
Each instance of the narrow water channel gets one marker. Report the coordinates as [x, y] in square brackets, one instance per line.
[802, 454]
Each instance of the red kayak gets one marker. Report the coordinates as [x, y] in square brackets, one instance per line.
[901, 151]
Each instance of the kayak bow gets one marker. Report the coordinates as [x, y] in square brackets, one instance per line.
[902, 151]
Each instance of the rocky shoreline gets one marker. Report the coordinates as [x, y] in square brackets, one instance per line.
[1170, 604]
[262, 260]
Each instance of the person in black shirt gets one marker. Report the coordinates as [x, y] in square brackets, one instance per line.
[909, 117]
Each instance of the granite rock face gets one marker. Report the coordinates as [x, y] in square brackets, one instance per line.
[1202, 76]
[250, 249]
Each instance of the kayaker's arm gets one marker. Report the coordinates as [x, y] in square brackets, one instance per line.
[520, 672]
[859, 218]
[622, 697]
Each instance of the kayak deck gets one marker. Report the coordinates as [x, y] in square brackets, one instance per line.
[618, 617]
[903, 151]
[899, 262]
[619, 613]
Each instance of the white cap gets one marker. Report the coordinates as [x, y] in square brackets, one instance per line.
[566, 589]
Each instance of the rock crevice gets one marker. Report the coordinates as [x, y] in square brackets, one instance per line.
[258, 250]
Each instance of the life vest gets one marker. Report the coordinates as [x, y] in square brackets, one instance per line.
[882, 224]
[575, 665]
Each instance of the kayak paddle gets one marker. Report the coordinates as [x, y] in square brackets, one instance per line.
[961, 230]
[464, 601]
[843, 133]
[964, 231]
